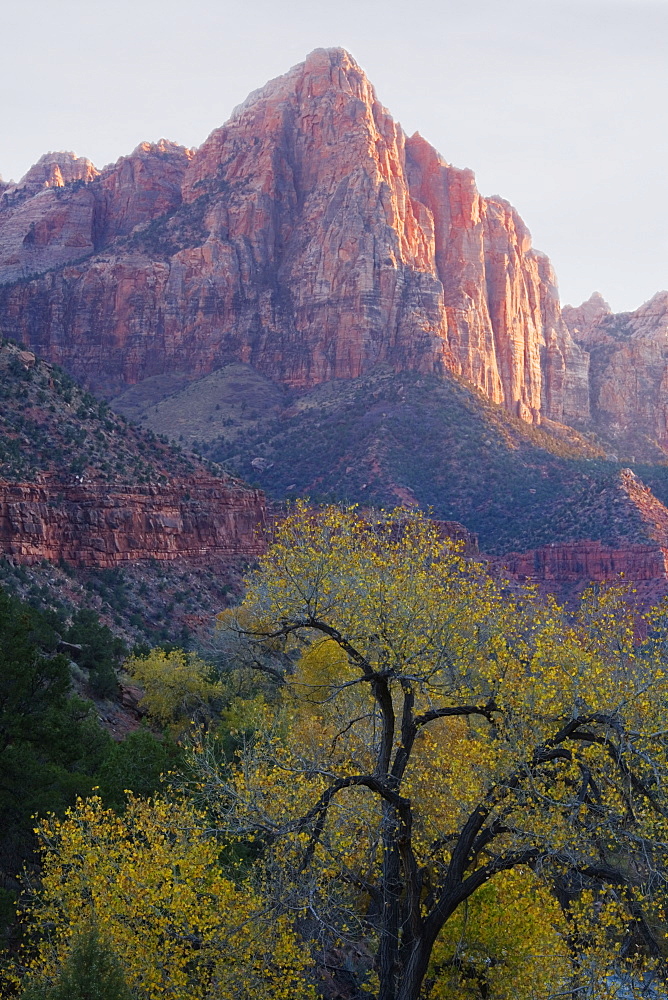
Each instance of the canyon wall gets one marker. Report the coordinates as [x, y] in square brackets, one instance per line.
[629, 370]
[566, 570]
[308, 237]
[202, 521]
[587, 561]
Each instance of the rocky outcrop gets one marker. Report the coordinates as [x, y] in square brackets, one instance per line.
[567, 570]
[500, 296]
[587, 562]
[629, 370]
[307, 237]
[580, 318]
[64, 210]
[78, 483]
[202, 521]
[139, 188]
[45, 230]
[38, 229]
[53, 170]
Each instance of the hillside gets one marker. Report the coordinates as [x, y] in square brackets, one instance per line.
[614, 530]
[405, 438]
[97, 512]
[49, 425]
[386, 439]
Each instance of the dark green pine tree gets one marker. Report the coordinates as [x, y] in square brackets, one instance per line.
[91, 971]
[50, 741]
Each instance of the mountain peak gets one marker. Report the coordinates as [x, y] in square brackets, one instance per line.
[322, 70]
[334, 56]
[580, 319]
[308, 238]
[56, 169]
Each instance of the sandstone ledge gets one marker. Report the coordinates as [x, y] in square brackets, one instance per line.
[587, 561]
[102, 526]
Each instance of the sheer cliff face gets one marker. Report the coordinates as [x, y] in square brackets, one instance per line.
[308, 237]
[629, 366]
[199, 520]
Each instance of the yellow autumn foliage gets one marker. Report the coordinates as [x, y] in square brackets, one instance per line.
[151, 881]
[508, 939]
[177, 687]
[443, 746]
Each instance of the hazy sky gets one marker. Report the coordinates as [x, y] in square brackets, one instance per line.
[559, 106]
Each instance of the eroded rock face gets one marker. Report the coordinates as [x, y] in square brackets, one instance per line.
[91, 524]
[307, 237]
[139, 188]
[588, 561]
[64, 210]
[566, 570]
[582, 317]
[629, 368]
[54, 170]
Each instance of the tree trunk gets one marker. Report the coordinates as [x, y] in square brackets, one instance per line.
[388, 947]
[414, 971]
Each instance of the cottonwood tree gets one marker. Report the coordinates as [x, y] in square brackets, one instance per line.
[150, 880]
[438, 737]
[177, 688]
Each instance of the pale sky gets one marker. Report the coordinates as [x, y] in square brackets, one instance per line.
[559, 106]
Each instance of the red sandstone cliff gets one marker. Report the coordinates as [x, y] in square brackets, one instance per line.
[91, 524]
[79, 484]
[567, 569]
[588, 562]
[629, 369]
[308, 237]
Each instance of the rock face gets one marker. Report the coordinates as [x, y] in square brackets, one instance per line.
[566, 570]
[629, 369]
[53, 170]
[63, 210]
[580, 318]
[308, 237]
[588, 562]
[39, 228]
[635, 550]
[201, 521]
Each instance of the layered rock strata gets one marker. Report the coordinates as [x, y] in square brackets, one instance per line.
[96, 525]
[587, 561]
[308, 237]
[567, 569]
